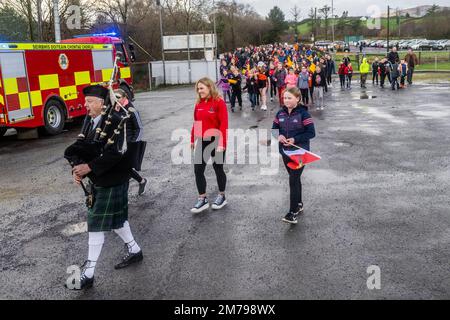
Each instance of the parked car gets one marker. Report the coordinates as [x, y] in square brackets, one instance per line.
[426, 45]
[327, 45]
[436, 45]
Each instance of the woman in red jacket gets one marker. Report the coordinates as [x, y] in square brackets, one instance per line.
[209, 133]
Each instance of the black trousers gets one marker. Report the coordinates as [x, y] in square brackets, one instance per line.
[305, 95]
[329, 79]
[374, 77]
[410, 74]
[342, 80]
[201, 157]
[349, 80]
[382, 79]
[311, 93]
[234, 95]
[295, 185]
[273, 89]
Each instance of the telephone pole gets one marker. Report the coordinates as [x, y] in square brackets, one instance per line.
[388, 18]
[158, 3]
[332, 19]
[215, 40]
[57, 21]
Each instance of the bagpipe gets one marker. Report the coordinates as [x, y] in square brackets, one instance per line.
[108, 135]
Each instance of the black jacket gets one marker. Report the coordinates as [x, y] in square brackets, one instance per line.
[298, 125]
[393, 56]
[323, 80]
[252, 85]
[134, 124]
[236, 87]
[109, 166]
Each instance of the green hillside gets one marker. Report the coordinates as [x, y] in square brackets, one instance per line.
[354, 26]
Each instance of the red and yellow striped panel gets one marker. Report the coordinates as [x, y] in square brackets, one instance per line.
[17, 95]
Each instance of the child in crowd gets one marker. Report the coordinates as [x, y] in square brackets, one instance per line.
[349, 75]
[291, 79]
[224, 85]
[403, 72]
[252, 88]
[236, 91]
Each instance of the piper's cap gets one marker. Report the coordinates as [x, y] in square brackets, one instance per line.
[95, 91]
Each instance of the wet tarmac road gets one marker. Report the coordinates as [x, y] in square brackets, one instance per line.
[379, 196]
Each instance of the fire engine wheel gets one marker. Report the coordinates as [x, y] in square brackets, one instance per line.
[3, 131]
[54, 117]
[127, 91]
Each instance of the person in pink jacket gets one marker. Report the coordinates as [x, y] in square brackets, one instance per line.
[291, 79]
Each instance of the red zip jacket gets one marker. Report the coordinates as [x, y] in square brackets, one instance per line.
[210, 114]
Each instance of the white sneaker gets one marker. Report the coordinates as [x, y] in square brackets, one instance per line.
[264, 107]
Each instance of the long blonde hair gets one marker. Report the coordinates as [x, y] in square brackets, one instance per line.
[213, 91]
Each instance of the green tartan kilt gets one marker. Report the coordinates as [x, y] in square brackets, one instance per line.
[110, 209]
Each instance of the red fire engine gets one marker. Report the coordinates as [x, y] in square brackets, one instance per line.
[41, 83]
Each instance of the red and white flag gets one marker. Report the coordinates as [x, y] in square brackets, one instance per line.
[300, 157]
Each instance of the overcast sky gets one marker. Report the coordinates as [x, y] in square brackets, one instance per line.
[354, 7]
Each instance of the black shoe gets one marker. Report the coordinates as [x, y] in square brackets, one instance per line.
[232, 110]
[142, 187]
[291, 218]
[300, 208]
[129, 259]
[220, 202]
[202, 204]
[240, 108]
[85, 282]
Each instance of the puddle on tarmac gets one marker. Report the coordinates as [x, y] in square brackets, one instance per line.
[435, 114]
[253, 127]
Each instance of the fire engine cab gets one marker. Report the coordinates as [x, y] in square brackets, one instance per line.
[41, 83]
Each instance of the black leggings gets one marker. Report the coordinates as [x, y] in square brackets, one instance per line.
[234, 95]
[273, 89]
[295, 185]
[135, 175]
[305, 95]
[342, 80]
[201, 158]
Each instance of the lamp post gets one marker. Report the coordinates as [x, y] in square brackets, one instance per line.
[215, 39]
[388, 18]
[57, 21]
[332, 17]
[158, 3]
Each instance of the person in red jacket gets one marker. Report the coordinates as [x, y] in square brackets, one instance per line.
[341, 73]
[209, 132]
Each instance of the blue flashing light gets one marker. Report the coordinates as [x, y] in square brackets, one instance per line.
[106, 34]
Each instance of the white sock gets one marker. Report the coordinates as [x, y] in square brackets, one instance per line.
[127, 237]
[96, 240]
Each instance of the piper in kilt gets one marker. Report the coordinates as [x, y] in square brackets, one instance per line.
[108, 172]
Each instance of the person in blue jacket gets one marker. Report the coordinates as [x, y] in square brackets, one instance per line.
[294, 126]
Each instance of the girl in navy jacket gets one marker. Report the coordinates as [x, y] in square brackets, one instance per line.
[296, 127]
